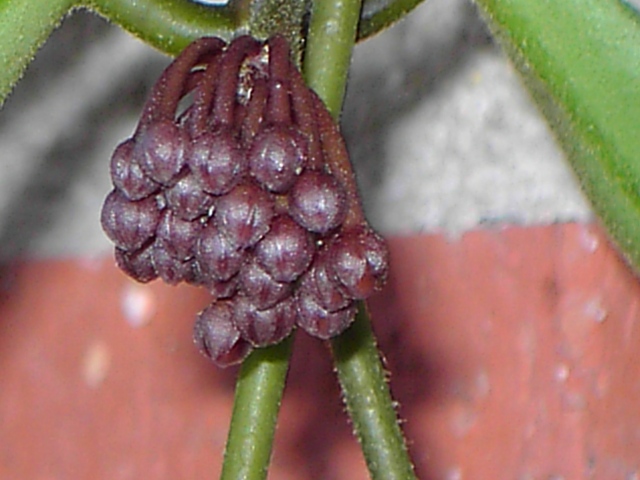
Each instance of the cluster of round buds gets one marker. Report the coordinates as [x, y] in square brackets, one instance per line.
[246, 190]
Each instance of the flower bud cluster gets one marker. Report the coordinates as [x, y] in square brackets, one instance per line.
[237, 180]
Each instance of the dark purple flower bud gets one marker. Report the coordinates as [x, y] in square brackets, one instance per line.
[137, 264]
[161, 151]
[277, 157]
[244, 214]
[264, 327]
[126, 174]
[286, 251]
[217, 337]
[318, 322]
[129, 224]
[318, 202]
[172, 270]
[359, 260]
[217, 258]
[325, 289]
[223, 289]
[261, 289]
[179, 236]
[217, 161]
[187, 199]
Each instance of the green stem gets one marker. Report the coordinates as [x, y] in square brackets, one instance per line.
[171, 25]
[24, 26]
[332, 33]
[255, 412]
[363, 381]
[331, 38]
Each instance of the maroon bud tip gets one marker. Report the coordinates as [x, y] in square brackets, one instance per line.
[260, 287]
[172, 270]
[126, 174]
[318, 202]
[217, 161]
[188, 200]
[161, 151]
[320, 323]
[323, 287]
[138, 264]
[216, 256]
[359, 260]
[216, 336]
[286, 251]
[276, 158]
[244, 214]
[264, 327]
[127, 223]
[178, 235]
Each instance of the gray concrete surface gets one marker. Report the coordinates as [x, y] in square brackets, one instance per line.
[456, 141]
[442, 134]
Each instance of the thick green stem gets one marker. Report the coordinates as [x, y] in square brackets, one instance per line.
[362, 378]
[255, 412]
[369, 401]
[332, 34]
[171, 25]
[24, 26]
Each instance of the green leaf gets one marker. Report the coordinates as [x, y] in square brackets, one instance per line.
[24, 26]
[580, 59]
